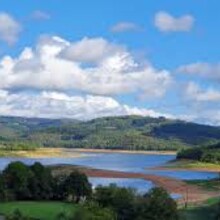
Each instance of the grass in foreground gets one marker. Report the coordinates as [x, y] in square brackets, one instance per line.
[207, 211]
[50, 210]
[39, 210]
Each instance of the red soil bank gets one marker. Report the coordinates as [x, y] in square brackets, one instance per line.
[190, 193]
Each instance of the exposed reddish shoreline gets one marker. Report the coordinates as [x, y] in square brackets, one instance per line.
[214, 170]
[191, 193]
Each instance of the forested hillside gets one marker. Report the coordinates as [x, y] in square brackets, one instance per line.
[208, 154]
[125, 132]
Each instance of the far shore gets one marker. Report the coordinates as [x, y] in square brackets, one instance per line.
[189, 165]
[89, 150]
[40, 153]
[71, 152]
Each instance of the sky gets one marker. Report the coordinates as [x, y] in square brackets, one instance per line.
[87, 59]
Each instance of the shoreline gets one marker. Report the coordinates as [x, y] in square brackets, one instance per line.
[212, 170]
[40, 153]
[90, 150]
[71, 152]
[195, 194]
[189, 165]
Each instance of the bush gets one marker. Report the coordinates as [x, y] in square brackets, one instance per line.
[93, 211]
[17, 215]
[157, 204]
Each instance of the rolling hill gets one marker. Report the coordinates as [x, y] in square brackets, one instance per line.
[124, 132]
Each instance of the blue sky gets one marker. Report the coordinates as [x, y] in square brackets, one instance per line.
[86, 59]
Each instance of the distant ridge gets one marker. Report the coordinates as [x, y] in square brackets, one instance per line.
[121, 132]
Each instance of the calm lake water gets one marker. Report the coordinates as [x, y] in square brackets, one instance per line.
[122, 162]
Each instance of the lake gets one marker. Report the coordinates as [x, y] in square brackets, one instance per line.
[140, 163]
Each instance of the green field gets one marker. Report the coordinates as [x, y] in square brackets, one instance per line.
[39, 210]
[50, 210]
[207, 211]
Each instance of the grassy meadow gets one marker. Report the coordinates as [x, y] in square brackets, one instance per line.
[38, 210]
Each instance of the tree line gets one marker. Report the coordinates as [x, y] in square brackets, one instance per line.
[210, 154]
[21, 182]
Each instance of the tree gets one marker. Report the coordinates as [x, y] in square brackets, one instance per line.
[120, 199]
[76, 187]
[3, 194]
[17, 178]
[41, 184]
[157, 204]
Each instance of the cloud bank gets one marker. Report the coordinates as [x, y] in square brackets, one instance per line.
[83, 79]
[93, 66]
[60, 105]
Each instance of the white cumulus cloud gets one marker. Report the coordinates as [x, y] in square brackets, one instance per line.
[195, 93]
[90, 50]
[166, 22]
[206, 70]
[60, 105]
[93, 66]
[125, 27]
[9, 28]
